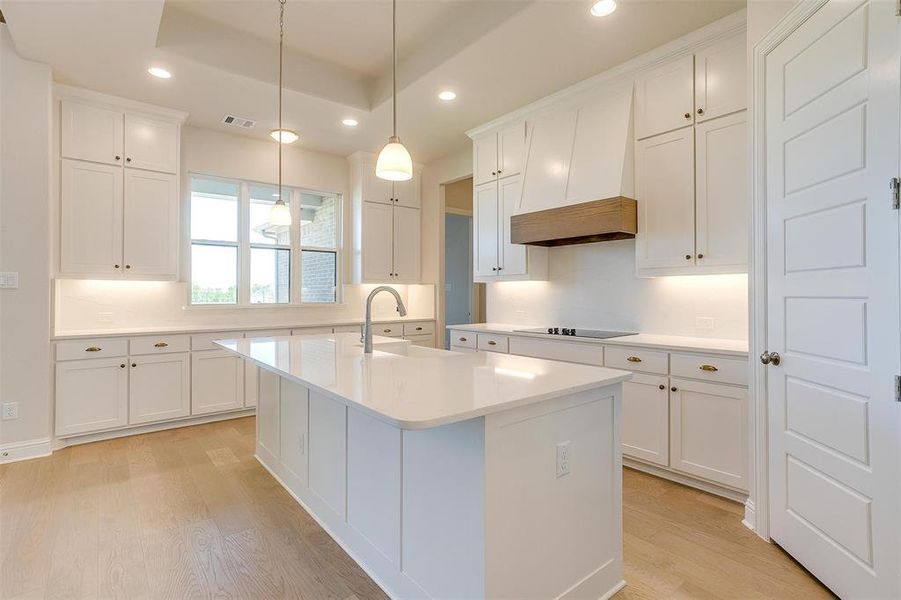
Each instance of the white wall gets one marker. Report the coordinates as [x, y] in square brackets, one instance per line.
[25, 372]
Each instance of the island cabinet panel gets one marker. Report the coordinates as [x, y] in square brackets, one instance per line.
[328, 452]
[294, 426]
[268, 418]
[374, 482]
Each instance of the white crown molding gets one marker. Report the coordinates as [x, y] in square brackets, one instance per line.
[61, 91]
[25, 450]
[724, 28]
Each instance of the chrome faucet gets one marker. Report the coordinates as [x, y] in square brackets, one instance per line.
[367, 325]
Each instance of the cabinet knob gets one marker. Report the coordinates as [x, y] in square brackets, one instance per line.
[419, 329]
[700, 111]
[494, 268]
[687, 115]
[700, 256]
[494, 172]
[688, 257]
[661, 386]
[127, 159]
[134, 364]
[117, 266]
[673, 389]
[127, 266]
[499, 171]
[118, 157]
[122, 366]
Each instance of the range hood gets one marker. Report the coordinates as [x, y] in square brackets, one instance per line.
[583, 223]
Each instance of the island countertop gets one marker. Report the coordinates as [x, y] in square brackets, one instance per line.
[411, 387]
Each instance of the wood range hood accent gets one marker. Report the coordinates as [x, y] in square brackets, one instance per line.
[596, 221]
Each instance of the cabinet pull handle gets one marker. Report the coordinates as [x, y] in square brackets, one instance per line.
[661, 386]
[708, 368]
[687, 115]
[386, 331]
[462, 339]
[673, 389]
[492, 343]
[93, 349]
[160, 345]
[633, 359]
[419, 329]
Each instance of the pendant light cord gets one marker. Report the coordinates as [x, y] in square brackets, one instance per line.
[281, 44]
[394, 60]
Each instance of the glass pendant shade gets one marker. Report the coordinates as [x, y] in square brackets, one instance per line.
[394, 162]
[280, 214]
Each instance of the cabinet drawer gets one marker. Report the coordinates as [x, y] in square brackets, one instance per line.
[587, 354]
[424, 328]
[159, 344]
[493, 343]
[93, 348]
[710, 368]
[204, 341]
[462, 339]
[636, 359]
[388, 330]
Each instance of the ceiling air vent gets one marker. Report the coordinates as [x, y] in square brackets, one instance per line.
[238, 121]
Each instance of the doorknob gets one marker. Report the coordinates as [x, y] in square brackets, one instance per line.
[770, 357]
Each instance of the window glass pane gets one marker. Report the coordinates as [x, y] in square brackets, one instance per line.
[270, 275]
[319, 276]
[214, 274]
[318, 221]
[262, 197]
[214, 210]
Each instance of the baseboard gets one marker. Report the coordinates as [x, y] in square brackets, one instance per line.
[750, 520]
[25, 450]
[705, 486]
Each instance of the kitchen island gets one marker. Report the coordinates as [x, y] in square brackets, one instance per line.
[446, 474]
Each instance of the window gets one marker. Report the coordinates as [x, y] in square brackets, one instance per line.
[238, 258]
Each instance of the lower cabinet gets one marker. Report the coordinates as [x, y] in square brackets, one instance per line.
[91, 395]
[217, 382]
[159, 388]
[646, 419]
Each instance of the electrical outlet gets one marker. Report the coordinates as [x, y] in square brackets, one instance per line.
[705, 323]
[9, 280]
[564, 457]
[10, 411]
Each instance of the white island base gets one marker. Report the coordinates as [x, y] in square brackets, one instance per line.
[467, 510]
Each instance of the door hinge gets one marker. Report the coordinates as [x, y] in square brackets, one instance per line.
[897, 388]
[895, 186]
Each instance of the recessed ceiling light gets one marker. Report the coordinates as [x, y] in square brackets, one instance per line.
[285, 136]
[350, 122]
[159, 72]
[447, 95]
[602, 8]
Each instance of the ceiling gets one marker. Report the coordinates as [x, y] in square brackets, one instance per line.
[498, 55]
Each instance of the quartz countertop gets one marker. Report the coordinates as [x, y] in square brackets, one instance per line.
[647, 340]
[412, 387]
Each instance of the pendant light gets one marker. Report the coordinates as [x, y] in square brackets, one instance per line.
[280, 214]
[394, 162]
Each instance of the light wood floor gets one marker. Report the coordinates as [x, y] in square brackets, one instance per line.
[189, 513]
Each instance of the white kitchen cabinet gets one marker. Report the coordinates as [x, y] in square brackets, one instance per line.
[485, 230]
[709, 431]
[484, 159]
[666, 201]
[91, 395]
[373, 188]
[91, 218]
[150, 228]
[550, 151]
[151, 143]
[720, 79]
[92, 133]
[499, 154]
[159, 388]
[511, 257]
[406, 193]
[377, 252]
[664, 98]
[646, 418]
[217, 382]
[406, 251]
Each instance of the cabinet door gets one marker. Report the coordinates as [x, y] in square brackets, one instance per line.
[721, 79]
[375, 189]
[406, 193]
[159, 388]
[722, 197]
[709, 429]
[378, 241]
[664, 98]
[150, 225]
[548, 160]
[646, 419]
[151, 143]
[406, 244]
[91, 395]
[91, 133]
[664, 186]
[485, 230]
[217, 382]
[511, 147]
[512, 259]
[294, 429]
[91, 218]
[484, 159]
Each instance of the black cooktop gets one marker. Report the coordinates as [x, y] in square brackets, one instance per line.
[598, 334]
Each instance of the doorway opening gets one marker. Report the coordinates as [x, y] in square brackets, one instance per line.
[464, 300]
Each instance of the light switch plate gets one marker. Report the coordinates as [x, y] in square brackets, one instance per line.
[9, 280]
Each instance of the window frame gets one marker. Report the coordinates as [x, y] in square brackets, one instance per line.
[244, 246]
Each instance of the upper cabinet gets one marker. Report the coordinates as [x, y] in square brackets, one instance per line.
[118, 186]
[665, 98]
[374, 189]
[721, 79]
[498, 154]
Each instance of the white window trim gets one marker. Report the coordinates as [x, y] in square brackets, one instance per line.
[244, 246]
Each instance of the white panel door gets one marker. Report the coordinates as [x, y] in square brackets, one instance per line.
[151, 143]
[91, 395]
[378, 241]
[831, 109]
[406, 244]
[407, 193]
[721, 201]
[512, 259]
[485, 230]
[217, 381]
[721, 79]
[511, 148]
[150, 224]
[664, 98]
[91, 133]
[646, 419]
[159, 388]
[549, 154]
[91, 218]
[484, 159]
[664, 186]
